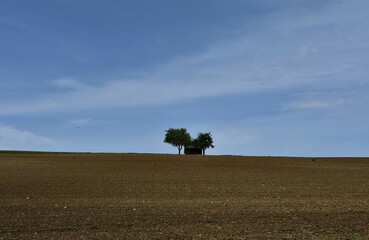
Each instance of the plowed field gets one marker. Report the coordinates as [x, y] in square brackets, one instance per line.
[143, 196]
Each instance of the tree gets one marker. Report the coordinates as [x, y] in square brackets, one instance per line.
[203, 141]
[177, 137]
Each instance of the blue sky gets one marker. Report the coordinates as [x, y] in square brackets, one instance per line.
[265, 77]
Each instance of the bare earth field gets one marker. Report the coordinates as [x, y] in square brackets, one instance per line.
[143, 196]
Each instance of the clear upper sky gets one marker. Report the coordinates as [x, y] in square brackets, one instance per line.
[265, 77]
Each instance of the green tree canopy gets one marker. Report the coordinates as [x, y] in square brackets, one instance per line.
[203, 141]
[177, 137]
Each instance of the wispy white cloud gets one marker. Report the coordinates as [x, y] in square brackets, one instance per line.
[341, 102]
[315, 104]
[12, 138]
[317, 100]
[68, 83]
[127, 94]
[326, 47]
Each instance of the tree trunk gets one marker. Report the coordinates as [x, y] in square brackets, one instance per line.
[203, 151]
[179, 150]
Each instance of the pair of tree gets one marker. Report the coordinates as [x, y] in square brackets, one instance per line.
[179, 137]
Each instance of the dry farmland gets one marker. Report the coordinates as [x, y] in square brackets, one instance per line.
[143, 196]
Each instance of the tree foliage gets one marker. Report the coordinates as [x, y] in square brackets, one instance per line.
[177, 137]
[203, 141]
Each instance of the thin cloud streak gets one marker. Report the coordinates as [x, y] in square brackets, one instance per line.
[12, 138]
[315, 104]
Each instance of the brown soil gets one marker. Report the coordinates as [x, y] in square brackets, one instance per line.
[143, 196]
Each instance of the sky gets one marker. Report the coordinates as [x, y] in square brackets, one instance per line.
[265, 77]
